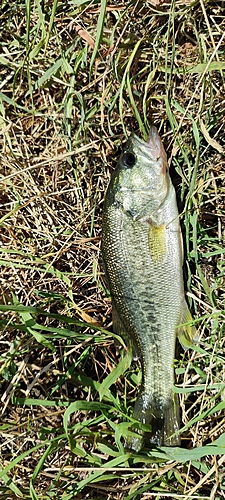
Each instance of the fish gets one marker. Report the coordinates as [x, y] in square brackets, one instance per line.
[142, 253]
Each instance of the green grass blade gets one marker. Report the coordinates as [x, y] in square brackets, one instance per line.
[29, 323]
[100, 26]
[20, 458]
[28, 9]
[10, 484]
[120, 369]
[135, 109]
[82, 405]
[123, 83]
[51, 22]
[182, 455]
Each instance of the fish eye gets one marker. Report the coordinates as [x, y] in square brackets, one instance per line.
[129, 159]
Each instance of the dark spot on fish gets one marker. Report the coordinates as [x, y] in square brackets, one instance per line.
[132, 212]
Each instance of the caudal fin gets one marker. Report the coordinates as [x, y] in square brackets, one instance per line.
[163, 417]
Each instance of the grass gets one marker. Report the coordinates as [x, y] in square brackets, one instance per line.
[77, 78]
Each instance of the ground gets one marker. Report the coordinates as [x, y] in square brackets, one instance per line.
[76, 79]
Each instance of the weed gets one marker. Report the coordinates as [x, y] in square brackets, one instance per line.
[77, 78]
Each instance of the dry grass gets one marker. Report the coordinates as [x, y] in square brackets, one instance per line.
[76, 78]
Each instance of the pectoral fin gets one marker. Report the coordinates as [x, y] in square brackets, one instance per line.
[157, 242]
[187, 333]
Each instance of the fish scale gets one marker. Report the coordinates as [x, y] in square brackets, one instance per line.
[142, 255]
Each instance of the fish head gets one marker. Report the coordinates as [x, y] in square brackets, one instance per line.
[141, 178]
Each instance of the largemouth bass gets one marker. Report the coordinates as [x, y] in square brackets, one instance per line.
[143, 258]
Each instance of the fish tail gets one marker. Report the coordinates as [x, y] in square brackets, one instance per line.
[162, 415]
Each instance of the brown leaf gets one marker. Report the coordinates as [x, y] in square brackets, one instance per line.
[85, 35]
[209, 139]
[156, 3]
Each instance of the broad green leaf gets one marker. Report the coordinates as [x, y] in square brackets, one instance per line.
[213, 66]
[182, 455]
[82, 405]
[29, 322]
[120, 369]
[49, 73]
[39, 402]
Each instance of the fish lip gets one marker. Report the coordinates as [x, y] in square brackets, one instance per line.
[152, 149]
[144, 149]
[145, 146]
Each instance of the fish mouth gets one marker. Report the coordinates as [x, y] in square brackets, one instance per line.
[152, 147]
[144, 148]
[153, 138]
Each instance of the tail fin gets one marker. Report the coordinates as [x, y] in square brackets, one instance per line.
[163, 417]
